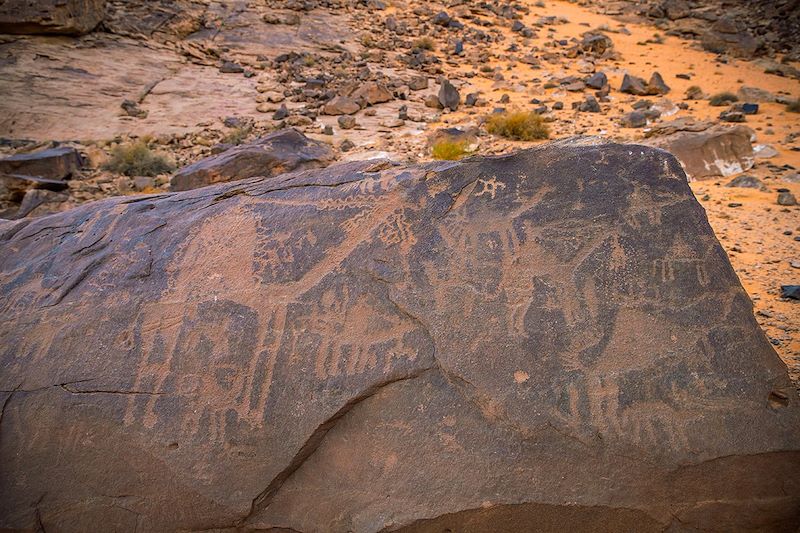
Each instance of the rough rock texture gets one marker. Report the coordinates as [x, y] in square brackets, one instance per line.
[553, 337]
[273, 154]
[15, 188]
[52, 163]
[717, 151]
[728, 35]
[66, 17]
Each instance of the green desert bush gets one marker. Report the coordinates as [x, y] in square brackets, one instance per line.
[723, 98]
[518, 125]
[137, 159]
[793, 107]
[449, 150]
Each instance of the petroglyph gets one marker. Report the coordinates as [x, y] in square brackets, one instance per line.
[490, 187]
[397, 230]
[309, 335]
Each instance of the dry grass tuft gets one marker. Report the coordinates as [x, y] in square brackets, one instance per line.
[449, 150]
[137, 159]
[424, 43]
[518, 125]
[723, 98]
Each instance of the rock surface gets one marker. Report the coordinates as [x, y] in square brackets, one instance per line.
[715, 152]
[273, 154]
[504, 341]
[66, 17]
[52, 163]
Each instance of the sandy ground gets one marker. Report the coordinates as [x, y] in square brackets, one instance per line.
[759, 236]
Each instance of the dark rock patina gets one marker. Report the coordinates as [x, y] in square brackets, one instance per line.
[549, 340]
[66, 17]
[52, 163]
[276, 153]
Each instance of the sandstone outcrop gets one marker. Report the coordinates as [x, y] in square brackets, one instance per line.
[549, 340]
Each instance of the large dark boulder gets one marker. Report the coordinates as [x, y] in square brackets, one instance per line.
[52, 163]
[551, 340]
[276, 153]
[728, 35]
[65, 17]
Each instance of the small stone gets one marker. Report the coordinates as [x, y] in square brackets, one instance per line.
[656, 85]
[596, 43]
[747, 108]
[634, 119]
[132, 109]
[731, 116]
[340, 105]
[346, 145]
[432, 101]
[229, 67]
[418, 83]
[633, 85]
[392, 123]
[233, 122]
[747, 182]
[764, 151]
[274, 97]
[449, 96]
[597, 81]
[441, 19]
[299, 120]
[791, 292]
[371, 93]
[347, 122]
[590, 105]
[281, 113]
[786, 198]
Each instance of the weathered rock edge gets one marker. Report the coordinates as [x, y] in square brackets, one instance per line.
[552, 338]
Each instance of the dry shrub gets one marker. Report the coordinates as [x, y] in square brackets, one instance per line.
[723, 98]
[137, 159]
[518, 125]
[449, 150]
